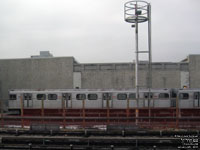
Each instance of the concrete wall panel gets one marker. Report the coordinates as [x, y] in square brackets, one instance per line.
[37, 73]
[194, 70]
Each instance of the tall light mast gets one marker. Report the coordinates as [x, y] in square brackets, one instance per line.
[136, 12]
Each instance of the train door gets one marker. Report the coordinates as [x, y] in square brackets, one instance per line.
[132, 102]
[28, 100]
[162, 100]
[173, 97]
[120, 100]
[67, 98]
[147, 98]
[196, 99]
[107, 100]
[93, 100]
[184, 100]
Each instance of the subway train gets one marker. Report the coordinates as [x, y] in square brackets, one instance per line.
[102, 98]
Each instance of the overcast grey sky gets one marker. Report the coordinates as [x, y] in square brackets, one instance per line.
[94, 31]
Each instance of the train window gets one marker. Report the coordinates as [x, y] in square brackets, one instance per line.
[66, 96]
[13, 96]
[163, 95]
[92, 96]
[184, 96]
[196, 95]
[107, 96]
[80, 96]
[122, 96]
[132, 96]
[41, 97]
[27, 96]
[52, 96]
[148, 95]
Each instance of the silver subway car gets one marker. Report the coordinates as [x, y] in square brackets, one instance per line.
[98, 98]
[189, 98]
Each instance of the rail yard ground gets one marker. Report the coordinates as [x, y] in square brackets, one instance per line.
[82, 139]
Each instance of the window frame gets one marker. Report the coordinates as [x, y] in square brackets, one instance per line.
[52, 98]
[27, 96]
[67, 96]
[107, 96]
[173, 95]
[163, 97]
[83, 97]
[41, 98]
[196, 96]
[184, 98]
[130, 98]
[146, 95]
[118, 96]
[96, 96]
[13, 98]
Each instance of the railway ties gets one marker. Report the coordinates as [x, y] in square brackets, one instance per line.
[97, 139]
[37, 142]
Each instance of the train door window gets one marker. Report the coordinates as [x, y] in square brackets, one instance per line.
[132, 96]
[52, 96]
[27, 96]
[66, 96]
[80, 96]
[184, 96]
[122, 96]
[13, 97]
[148, 95]
[163, 95]
[41, 97]
[173, 95]
[107, 96]
[92, 97]
[196, 95]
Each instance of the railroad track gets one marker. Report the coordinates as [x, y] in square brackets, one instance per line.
[35, 142]
[96, 139]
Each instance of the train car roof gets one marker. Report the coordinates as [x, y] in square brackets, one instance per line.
[189, 90]
[82, 90]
